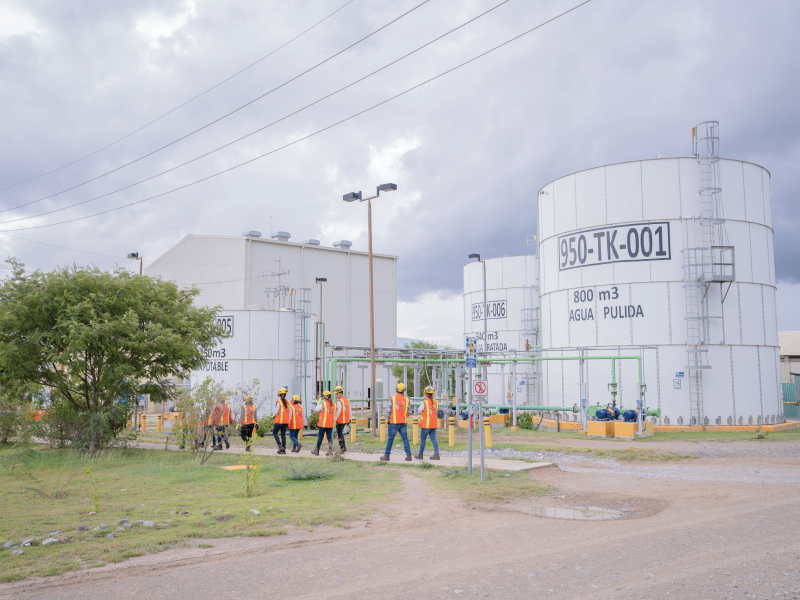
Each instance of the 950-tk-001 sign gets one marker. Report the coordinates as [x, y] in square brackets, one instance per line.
[633, 242]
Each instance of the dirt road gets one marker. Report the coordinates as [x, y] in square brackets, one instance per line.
[707, 528]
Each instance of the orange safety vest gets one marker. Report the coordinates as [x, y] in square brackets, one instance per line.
[326, 415]
[296, 422]
[399, 412]
[429, 419]
[226, 414]
[216, 415]
[284, 413]
[249, 416]
[344, 416]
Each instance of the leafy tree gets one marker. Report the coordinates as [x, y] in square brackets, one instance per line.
[425, 373]
[98, 340]
[17, 417]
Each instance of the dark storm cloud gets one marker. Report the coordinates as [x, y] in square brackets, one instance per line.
[613, 81]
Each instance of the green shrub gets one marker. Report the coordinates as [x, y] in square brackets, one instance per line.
[264, 426]
[313, 419]
[525, 420]
[308, 470]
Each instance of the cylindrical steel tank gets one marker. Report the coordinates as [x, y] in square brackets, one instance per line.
[612, 247]
[512, 319]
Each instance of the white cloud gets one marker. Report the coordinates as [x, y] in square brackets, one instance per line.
[156, 25]
[432, 318]
[15, 21]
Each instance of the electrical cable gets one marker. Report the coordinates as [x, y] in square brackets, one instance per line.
[181, 105]
[349, 85]
[310, 135]
[62, 247]
[225, 116]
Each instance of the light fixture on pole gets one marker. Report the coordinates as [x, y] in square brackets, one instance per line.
[320, 281]
[352, 197]
[135, 256]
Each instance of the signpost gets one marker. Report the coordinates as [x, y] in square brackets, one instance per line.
[471, 356]
[480, 388]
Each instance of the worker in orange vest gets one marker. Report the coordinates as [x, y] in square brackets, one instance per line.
[398, 417]
[249, 422]
[327, 418]
[281, 415]
[222, 418]
[297, 421]
[428, 422]
[342, 415]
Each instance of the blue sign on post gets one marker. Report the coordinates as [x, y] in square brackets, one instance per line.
[471, 354]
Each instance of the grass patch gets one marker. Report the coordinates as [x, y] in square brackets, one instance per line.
[148, 485]
[307, 470]
[458, 483]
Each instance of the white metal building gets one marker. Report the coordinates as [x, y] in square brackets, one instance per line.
[253, 279]
[512, 298]
[622, 273]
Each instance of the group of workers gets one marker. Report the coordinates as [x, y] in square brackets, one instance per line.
[289, 417]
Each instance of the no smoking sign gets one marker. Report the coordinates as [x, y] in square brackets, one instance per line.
[480, 388]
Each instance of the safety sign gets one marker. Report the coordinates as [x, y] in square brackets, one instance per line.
[676, 384]
[471, 354]
[480, 388]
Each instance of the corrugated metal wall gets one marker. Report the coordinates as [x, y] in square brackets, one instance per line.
[235, 272]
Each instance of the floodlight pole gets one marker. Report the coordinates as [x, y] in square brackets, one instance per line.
[386, 187]
[320, 281]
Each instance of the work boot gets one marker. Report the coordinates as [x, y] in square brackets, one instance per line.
[385, 458]
[315, 451]
[342, 446]
[329, 451]
[408, 457]
[435, 456]
[294, 447]
[247, 448]
[418, 456]
[281, 450]
[299, 447]
[227, 445]
[218, 447]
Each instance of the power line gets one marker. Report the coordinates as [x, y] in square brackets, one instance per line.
[181, 105]
[349, 85]
[225, 116]
[319, 131]
[61, 247]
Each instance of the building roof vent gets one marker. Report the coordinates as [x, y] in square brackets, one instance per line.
[252, 234]
[342, 244]
[281, 236]
[311, 242]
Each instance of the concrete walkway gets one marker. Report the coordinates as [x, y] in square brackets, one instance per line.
[446, 461]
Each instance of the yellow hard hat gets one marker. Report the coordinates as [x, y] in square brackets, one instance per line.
[401, 387]
[429, 390]
[246, 398]
[338, 390]
[326, 394]
[295, 398]
[283, 392]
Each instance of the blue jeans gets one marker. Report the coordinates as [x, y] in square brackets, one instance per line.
[428, 433]
[326, 431]
[222, 432]
[394, 429]
[293, 436]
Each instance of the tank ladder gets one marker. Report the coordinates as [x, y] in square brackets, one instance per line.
[710, 261]
[529, 343]
[301, 298]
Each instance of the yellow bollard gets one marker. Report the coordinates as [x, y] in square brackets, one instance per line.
[487, 431]
[415, 428]
[300, 434]
[130, 425]
[451, 425]
[353, 430]
[383, 429]
[144, 423]
[158, 424]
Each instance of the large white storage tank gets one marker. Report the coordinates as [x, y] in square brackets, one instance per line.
[643, 214]
[512, 318]
[261, 346]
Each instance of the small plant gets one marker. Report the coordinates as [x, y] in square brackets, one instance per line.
[251, 472]
[455, 471]
[94, 482]
[60, 490]
[761, 435]
[305, 471]
[425, 465]
[337, 456]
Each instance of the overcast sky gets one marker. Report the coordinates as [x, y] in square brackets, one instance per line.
[615, 80]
